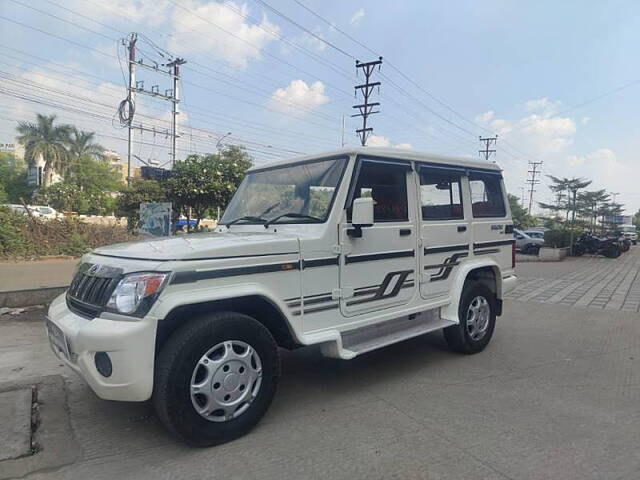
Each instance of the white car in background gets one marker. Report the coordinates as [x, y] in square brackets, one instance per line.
[44, 211]
[629, 232]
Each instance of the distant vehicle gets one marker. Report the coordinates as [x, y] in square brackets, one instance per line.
[45, 211]
[535, 233]
[629, 232]
[526, 243]
[17, 208]
[181, 224]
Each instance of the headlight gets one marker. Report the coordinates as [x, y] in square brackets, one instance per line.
[135, 290]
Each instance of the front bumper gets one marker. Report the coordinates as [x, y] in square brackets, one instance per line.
[129, 344]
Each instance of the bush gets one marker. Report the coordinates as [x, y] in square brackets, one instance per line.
[25, 237]
[558, 238]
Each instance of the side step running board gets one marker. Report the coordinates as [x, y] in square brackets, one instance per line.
[365, 339]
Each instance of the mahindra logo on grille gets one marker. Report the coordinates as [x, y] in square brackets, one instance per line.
[94, 269]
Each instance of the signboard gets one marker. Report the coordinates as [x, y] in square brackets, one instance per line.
[155, 219]
[7, 147]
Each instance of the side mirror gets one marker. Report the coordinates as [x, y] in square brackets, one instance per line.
[361, 216]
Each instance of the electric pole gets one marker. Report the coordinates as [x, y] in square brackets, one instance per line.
[133, 38]
[488, 141]
[614, 195]
[175, 64]
[365, 109]
[127, 107]
[533, 181]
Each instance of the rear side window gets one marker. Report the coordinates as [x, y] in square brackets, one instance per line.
[440, 194]
[486, 195]
[386, 183]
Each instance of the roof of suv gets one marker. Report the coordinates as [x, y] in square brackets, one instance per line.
[394, 153]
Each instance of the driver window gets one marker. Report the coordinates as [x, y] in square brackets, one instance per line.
[386, 183]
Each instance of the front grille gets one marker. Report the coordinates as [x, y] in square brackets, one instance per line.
[91, 288]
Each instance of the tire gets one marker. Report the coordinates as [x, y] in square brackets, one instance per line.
[534, 250]
[459, 337]
[578, 250]
[612, 251]
[635, 242]
[216, 340]
[624, 247]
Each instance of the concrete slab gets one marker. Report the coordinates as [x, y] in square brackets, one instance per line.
[15, 423]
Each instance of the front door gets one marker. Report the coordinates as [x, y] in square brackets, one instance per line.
[378, 269]
[445, 232]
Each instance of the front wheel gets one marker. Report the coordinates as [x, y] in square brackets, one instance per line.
[477, 314]
[215, 378]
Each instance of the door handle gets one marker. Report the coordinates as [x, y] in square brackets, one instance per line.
[405, 231]
[462, 228]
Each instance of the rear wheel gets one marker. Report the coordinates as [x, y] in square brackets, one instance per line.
[578, 250]
[215, 378]
[612, 251]
[477, 314]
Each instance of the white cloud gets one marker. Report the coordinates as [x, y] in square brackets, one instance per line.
[148, 12]
[381, 141]
[543, 105]
[486, 116]
[243, 45]
[357, 17]
[585, 120]
[299, 94]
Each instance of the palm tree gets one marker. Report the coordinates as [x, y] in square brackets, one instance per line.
[81, 143]
[45, 139]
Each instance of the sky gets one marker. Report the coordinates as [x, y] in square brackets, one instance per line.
[556, 81]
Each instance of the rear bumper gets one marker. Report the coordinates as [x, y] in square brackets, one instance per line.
[130, 346]
[508, 284]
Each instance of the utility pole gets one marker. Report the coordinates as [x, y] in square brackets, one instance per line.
[342, 142]
[365, 109]
[133, 38]
[488, 141]
[127, 107]
[614, 195]
[533, 181]
[175, 64]
[522, 196]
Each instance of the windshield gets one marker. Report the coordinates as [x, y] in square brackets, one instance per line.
[304, 191]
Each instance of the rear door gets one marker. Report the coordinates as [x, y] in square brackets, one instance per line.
[492, 229]
[378, 270]
[444, 231]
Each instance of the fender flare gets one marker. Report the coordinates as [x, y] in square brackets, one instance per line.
[172, 300]
[450, 311]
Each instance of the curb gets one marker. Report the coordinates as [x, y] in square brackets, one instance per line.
[29, 297]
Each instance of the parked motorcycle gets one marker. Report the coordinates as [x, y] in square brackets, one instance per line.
[616, 235]
[589, 243]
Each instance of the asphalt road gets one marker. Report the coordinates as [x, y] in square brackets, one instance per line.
[554, 396]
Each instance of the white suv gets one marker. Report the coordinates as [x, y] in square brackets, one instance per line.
[352, 250]
[629, 232]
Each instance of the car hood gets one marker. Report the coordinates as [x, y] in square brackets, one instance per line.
[201, 246]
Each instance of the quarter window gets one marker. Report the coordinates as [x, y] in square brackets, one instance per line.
[486, 195]
[386, 183]
[440, 194]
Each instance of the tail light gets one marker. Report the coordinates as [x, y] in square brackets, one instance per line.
[513, 254]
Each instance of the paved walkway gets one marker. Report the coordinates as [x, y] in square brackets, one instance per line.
[55, 272]
[593, 282]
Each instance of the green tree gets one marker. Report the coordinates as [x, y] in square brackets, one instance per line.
[201, 183]
[46, 139]
[13, 179]
[88, 188]
[521, 219]
[140, 190]
[81, 144]
[636, 220]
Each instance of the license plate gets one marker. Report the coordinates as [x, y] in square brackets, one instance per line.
[57, 340]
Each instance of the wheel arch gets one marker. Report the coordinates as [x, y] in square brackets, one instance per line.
[255, 305]
[487, 273]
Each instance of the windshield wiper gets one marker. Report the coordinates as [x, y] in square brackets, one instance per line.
[292, 215]
[250, 218]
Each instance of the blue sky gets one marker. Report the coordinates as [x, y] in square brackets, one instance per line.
[522, 70]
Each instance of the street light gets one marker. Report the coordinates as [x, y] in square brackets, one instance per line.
[220, 140]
